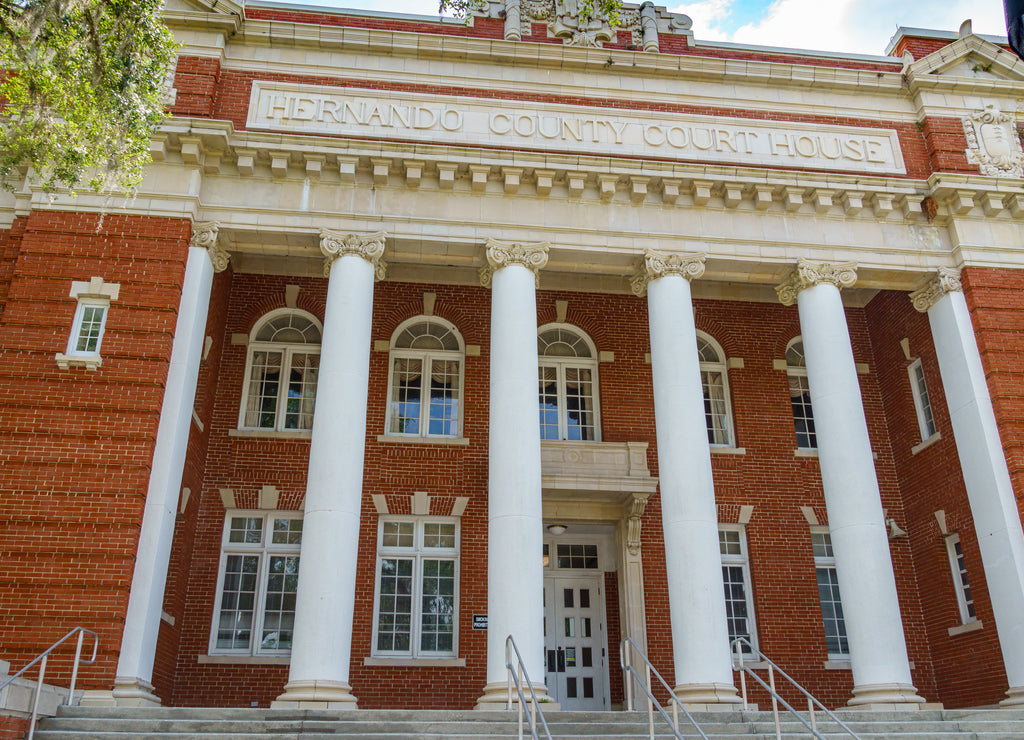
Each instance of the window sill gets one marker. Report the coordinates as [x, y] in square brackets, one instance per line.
[799, 452]
[962, 629]
[416, 662]
[297, 436]
[445, 441]
[838, 664]
[243, 659]
[66, 362]
[926, 443]
[728, 450]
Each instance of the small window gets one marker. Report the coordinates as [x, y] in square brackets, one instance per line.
[259, 575]
[922, 402]
[281, 372]
[714, 378]
[88, 323]
[415, 605]
[568, 384]
[964, 600]
[739, 603]
[579, 557]
[425, 379]
[828, 594]
[800, 396]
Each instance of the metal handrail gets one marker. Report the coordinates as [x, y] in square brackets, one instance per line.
[631, 673]
[737, 645]
[42, 658]
[517, 673]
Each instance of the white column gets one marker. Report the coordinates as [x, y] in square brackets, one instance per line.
[693, 563]
[986, 476]
[324, 605]
[515, 528]
[133, 683]
[878, 649]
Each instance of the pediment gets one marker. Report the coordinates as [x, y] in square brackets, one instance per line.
[971, 57]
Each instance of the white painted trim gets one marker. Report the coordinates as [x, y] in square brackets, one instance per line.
[963, 629]
[416, 662]
[719, 450]
[296, 435]
[393, 439]
[926, 443]
[243, 659]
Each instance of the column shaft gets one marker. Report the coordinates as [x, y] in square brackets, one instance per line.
[986, 477]
[325, 602]
[132, 686]
[878, 651]
[515, 575]
[693, 565]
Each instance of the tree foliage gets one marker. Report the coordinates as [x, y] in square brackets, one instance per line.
[587, 9]
[83, 89]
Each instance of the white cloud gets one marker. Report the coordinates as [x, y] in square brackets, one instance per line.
[711, 17]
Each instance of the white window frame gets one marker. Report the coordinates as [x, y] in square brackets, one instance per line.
[742, 560]
[94, 293]
[922, 400]
[418, 553]
[799, 372]
[560, 364]
[961, 581]
[426, 357]
[829, 562]
[264, 550]
[287, 351]
[721, 366]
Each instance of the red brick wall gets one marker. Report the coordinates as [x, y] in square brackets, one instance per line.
[195, 80]
[767, 476]
[76, 445]
[947, 145]
[13, 728]
[929, 481]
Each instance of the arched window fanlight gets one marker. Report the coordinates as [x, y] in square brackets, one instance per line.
[569, 406]
[425, 379]
[281, 372]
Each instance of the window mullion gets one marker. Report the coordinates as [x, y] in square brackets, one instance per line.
[563, 412]
[417, 605]
[425, 373]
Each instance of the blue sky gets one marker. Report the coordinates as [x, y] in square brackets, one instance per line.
[856, 26]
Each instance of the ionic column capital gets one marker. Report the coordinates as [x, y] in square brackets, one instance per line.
[808, 274]
[204, 236]
[659, 264]
[946, 280]
[335, 244]
[502, 254]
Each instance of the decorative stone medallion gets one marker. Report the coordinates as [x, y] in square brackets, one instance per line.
[993, 143]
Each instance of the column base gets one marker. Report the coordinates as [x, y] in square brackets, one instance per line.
[495, 697]
[1014, 698]
[127, 692]
[315, 695]
[708, 697]
[887, 697]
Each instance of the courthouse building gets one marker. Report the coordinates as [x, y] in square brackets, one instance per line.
[418, 334]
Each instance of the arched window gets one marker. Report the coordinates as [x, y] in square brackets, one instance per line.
[715, 380]
[800, 395]
[425, 390]
[281, 372]
[568, 384]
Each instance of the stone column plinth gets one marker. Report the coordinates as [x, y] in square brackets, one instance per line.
[878, 649]
[322, 645]
[986, 476]
[693, 563]
[133, 682]
[515, 526]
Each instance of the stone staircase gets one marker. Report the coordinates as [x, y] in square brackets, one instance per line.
[92, 723]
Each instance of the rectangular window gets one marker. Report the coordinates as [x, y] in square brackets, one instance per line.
[259, 574]
[276, 402]
[803, 414]
[87, 328]
[739, 606]
[828, 594]
[965, 602]
[922, 403]
[416, 610]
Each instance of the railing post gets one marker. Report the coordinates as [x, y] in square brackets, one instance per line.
[35, 699]
[519, 682]
[650, 702]
[810, 710]
[743, 675]
[74, 669]
[775, 701]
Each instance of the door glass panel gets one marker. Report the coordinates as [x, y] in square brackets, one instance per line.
[586, 627]
[588, 657]
[567, 597]
[584, 598]
[570, 688]
[570, 627]
[570, 657]
[588, 687]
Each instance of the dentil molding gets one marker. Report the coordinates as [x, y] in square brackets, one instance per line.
[808, 274]
[335, 244]
[946, 280]
[502, 254]
[659, 264]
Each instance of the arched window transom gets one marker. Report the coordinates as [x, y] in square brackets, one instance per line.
[425, 379]
[715, 381]
[800, 395]
[568, 384]
[281, 372]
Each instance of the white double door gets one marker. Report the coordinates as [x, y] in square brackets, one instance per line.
[574, 639]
